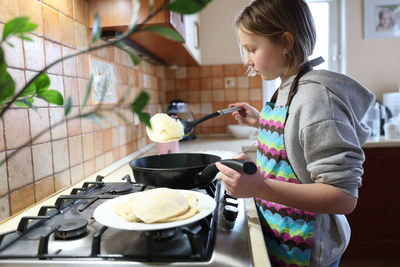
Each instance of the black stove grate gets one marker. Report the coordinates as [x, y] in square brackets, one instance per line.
[193, 242]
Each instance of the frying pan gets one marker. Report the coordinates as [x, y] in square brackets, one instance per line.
[183, 170]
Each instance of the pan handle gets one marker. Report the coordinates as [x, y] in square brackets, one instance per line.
[245, 166]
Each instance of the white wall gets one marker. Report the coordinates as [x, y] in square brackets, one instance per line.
[218, 40]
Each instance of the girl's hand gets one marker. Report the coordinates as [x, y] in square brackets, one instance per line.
[249, 115]
[238, 184]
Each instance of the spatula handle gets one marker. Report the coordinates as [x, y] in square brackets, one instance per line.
[229, 110]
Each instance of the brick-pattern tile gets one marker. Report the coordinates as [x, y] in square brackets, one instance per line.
[42, 163]
[33, 10]
[40, 121]
[75, 150]
[3, 176]
[81, 36]
[58, 123]
[44, 188]
[88, 167]
[69, 65]
[88, 146]
[9, 10]
[16, 134]
[67, 30]
[66, 7]
[51, 23]
[80, 11]
[22, 199]
[60, 155]
[14, 55]
[62, 180]
[77, 174]
[4, 207]
[53, 53]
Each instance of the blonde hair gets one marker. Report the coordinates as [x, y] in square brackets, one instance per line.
[272, 18]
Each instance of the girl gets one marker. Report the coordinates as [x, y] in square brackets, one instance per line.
[309, 145]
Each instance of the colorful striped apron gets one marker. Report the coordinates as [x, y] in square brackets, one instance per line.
[288, 232]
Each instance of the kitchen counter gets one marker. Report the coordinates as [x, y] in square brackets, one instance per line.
[213, 144]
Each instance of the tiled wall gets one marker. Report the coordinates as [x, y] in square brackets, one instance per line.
[211, 88]
[66, 154]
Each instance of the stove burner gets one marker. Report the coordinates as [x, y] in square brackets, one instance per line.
[162, 234]
[120, 188]
[71, 228]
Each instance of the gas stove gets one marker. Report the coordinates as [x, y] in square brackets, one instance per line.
[65, 234]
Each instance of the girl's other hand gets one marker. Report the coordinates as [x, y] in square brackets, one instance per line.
[249, 115]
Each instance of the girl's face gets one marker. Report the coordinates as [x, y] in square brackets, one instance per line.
[263, 55]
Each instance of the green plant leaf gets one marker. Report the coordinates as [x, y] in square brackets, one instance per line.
[18, 25]
[26, 38]
[96, 30]
[30, 90]
[10, 44]
[145, 118]
[24, 103]
[52, 96]
[7, 85]
[135, 15]
[42, 83]
[67, 106]
[166, 32]
[187, 6]
[140, 102]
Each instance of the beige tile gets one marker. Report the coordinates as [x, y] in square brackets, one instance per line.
[77, 174]
[4, 207]
[83, 91]
[3, 176]
[88, 146]
[255, 94]
[75, 150]
[22, 199]
[206, 108]
[217, 83]
[98, 143]
[194, 96]
[58, 123]
[53, 53]
[122, 135]
[42, 162]
[123, 151]
[67, 30]
[51, 23]
[242, 82]
[80, 11]
[40, 121]
[218, 95]
[206, 96]
[107, 140]
[14, 55]
[99, 162]
[33, 10]
[9, 10]
[255, 82]
[34, 53]
[69, 65]
[86, 124]
[231, 95]
[243, 95]
[44, 188]
[60, 155]
[57, 83]
[82, 62]
[2, 145]
[74, 125]
[16, 128]
[115, 137]
[62, 180]
[53, 3]
[89, 167]
[230, 82]
[71, 90]
[108, 158]
[81, 36]
[181, 73]
[66, 7]
[116, 154]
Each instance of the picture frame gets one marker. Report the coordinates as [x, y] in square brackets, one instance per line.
[103, 85]
[381, 19]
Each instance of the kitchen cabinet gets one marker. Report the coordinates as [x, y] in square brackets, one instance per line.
[115, 15]
[375, 221]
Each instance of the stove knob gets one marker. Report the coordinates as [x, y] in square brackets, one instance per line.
[231, 201]
[230, 213]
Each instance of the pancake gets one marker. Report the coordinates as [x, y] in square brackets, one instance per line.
[158, 205]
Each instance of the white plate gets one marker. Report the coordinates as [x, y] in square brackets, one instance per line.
[105, 215]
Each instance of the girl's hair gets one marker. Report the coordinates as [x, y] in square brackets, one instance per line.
[271, 18]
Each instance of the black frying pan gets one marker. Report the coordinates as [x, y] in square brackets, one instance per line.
[183, 170]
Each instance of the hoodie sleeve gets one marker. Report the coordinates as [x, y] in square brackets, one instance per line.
[333, 154]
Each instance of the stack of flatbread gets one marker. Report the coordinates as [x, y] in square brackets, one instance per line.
[158, 205]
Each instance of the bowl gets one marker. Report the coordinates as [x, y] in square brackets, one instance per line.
[242, 131]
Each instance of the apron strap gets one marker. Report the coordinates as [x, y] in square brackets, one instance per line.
[303, 70]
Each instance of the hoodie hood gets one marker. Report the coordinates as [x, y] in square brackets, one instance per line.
[357, 98]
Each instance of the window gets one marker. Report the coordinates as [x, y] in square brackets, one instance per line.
[328, 24]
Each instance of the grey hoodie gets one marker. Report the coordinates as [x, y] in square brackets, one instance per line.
[323, 139]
